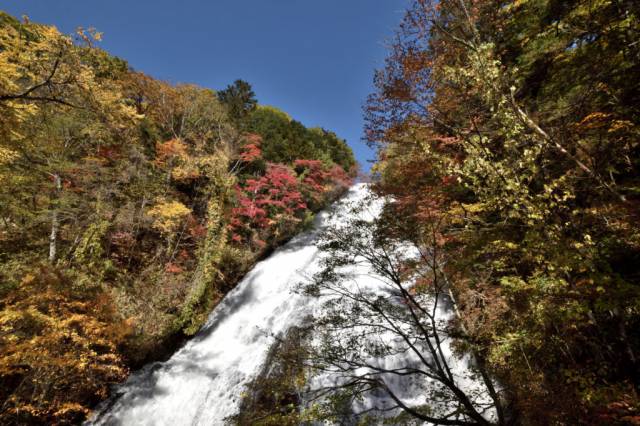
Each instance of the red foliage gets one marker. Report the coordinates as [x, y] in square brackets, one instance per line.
[339, 177]
[251, 150]
[196, 229]
[314, 175]
[267, 202]
[449, 180]
[317, 179]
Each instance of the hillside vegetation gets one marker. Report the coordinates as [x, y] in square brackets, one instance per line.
[508, 136]
[128, 207]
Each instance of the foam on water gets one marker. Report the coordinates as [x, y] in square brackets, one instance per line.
[202, 383]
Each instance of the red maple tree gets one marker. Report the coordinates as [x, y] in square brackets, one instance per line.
[267, 204]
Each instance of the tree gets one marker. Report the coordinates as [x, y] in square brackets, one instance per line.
[284, 139]
[116, 195]
[59, 350]
[502, 120]
[239, 99]
[268, 207]
[320, 182]
[56, 108]
[390, 335]
[250, 160]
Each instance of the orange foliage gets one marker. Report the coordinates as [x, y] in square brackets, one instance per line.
[172, 268]
[59, 351]
[167, 151]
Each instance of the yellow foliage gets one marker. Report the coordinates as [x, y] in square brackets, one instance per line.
[168, 215]
[275, 111]
[185, 172]
[38, 66]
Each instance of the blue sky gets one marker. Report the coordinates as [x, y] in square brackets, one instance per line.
[312, 58]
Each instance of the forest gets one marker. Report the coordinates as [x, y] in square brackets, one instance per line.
[507, 183]
[508, 139]
[129, 207]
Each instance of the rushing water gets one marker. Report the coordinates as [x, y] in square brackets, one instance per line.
[202, 383]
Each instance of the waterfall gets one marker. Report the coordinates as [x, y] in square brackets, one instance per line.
[202, 383]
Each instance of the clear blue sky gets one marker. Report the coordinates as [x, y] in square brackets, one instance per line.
[312, 58]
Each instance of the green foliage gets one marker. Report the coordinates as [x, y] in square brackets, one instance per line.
[526, 158]
[274, 396]
[125, 183]
[286, 140]
[206, 273]
[239, 100]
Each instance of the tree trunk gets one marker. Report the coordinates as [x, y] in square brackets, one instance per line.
[624, 339]
[55, 220]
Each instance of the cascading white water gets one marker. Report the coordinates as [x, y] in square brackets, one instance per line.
[202, 383]
[381, 350]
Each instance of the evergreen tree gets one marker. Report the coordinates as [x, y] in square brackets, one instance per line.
[239, 99]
